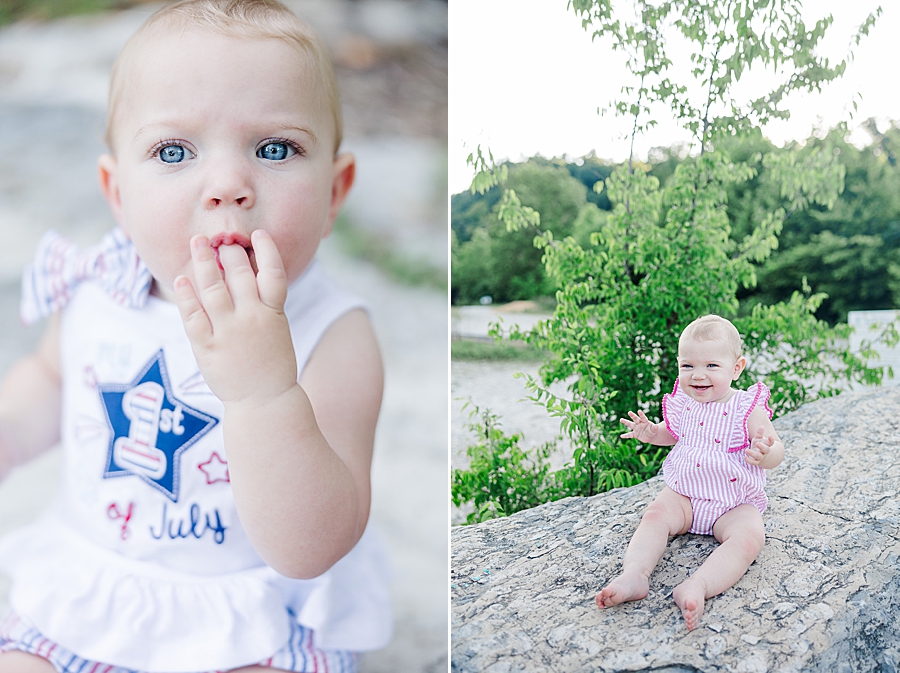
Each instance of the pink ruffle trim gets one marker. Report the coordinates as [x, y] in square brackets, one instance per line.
[761, 390]
[665, 410]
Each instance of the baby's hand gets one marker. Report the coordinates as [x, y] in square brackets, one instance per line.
[639, 427]
[236, 324]
[759, 448]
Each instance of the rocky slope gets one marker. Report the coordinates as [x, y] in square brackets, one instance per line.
[822, 596]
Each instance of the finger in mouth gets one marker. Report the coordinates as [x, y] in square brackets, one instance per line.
[231, 238]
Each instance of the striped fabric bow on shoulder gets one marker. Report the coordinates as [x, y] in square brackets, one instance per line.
[59, 267]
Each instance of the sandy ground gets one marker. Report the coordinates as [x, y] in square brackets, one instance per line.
[475, 322]
[494, 386]
[392, 71]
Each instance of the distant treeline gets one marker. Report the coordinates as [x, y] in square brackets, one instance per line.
[851, 252]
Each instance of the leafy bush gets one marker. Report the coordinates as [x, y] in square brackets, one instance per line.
[502, 478]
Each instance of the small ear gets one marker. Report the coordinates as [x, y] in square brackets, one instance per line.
[108, 175]
[739, 367]
[344, 174]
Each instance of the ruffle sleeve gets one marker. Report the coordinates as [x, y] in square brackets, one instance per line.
[673, 407]
[756, 395]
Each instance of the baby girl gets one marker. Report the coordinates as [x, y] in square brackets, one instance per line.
[214, 392]
[715, 475]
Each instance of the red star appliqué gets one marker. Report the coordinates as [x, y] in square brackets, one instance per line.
[215, 469]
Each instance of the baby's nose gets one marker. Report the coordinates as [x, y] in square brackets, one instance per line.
[241, 196]
[238, 200]
[229, 186]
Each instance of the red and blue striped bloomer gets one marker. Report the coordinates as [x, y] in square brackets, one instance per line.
[299, 654]
[59, 267]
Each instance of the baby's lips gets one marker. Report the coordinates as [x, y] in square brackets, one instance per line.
[229, 238]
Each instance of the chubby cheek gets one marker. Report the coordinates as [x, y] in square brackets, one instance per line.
[296, 251]
[298, 238]
[161, 236]
[166, 258]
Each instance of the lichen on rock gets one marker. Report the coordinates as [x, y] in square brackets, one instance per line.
[823, 595]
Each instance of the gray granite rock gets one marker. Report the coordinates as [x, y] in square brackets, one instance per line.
[824, 594]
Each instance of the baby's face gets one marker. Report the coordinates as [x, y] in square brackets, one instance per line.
[707, 368]
[221, 136]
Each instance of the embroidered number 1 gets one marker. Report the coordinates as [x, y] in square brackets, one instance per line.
[137, 452]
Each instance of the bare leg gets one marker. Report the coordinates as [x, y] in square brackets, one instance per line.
[22, 662]
[742, 535]
[670, 514]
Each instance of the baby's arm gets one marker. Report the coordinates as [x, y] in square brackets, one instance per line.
[766, 448]
[641, 429]
[298, 453]
[30, 403]
[305, 502]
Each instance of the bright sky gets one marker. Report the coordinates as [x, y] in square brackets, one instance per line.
[525, 78]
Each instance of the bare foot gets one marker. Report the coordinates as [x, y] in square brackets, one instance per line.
[626, 587]
[690, 596]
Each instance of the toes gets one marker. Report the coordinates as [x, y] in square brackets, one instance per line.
[691, 612]
[609, 596]
[603, 599]
[691, 605]
[621, 590]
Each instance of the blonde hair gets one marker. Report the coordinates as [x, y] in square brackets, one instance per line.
[711, 327]
[252, 19]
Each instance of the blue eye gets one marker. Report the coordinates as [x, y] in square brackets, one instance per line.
[275, 151]
[174, 154]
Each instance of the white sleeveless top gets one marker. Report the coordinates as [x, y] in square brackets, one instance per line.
[141, 561]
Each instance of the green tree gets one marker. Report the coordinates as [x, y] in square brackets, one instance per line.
[854, 272]
[666, 254]
[472, 264]
[470, 210]
[503, 263]
[851, 252]
[589, 170]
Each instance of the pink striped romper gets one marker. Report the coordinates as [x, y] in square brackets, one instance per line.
[707, 462]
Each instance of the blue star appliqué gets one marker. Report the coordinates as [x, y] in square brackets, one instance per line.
[150, 428]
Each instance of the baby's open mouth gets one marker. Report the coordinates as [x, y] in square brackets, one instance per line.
[231, 238]
[701, 389]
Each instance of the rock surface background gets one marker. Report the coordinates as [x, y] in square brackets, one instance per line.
[822, 596]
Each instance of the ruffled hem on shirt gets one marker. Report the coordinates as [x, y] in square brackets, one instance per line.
[135, 614]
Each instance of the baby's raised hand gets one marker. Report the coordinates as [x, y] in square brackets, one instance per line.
[236, 323]
[759, 447]
[639, 427]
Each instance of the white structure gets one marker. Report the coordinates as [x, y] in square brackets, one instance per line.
[868, 325]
